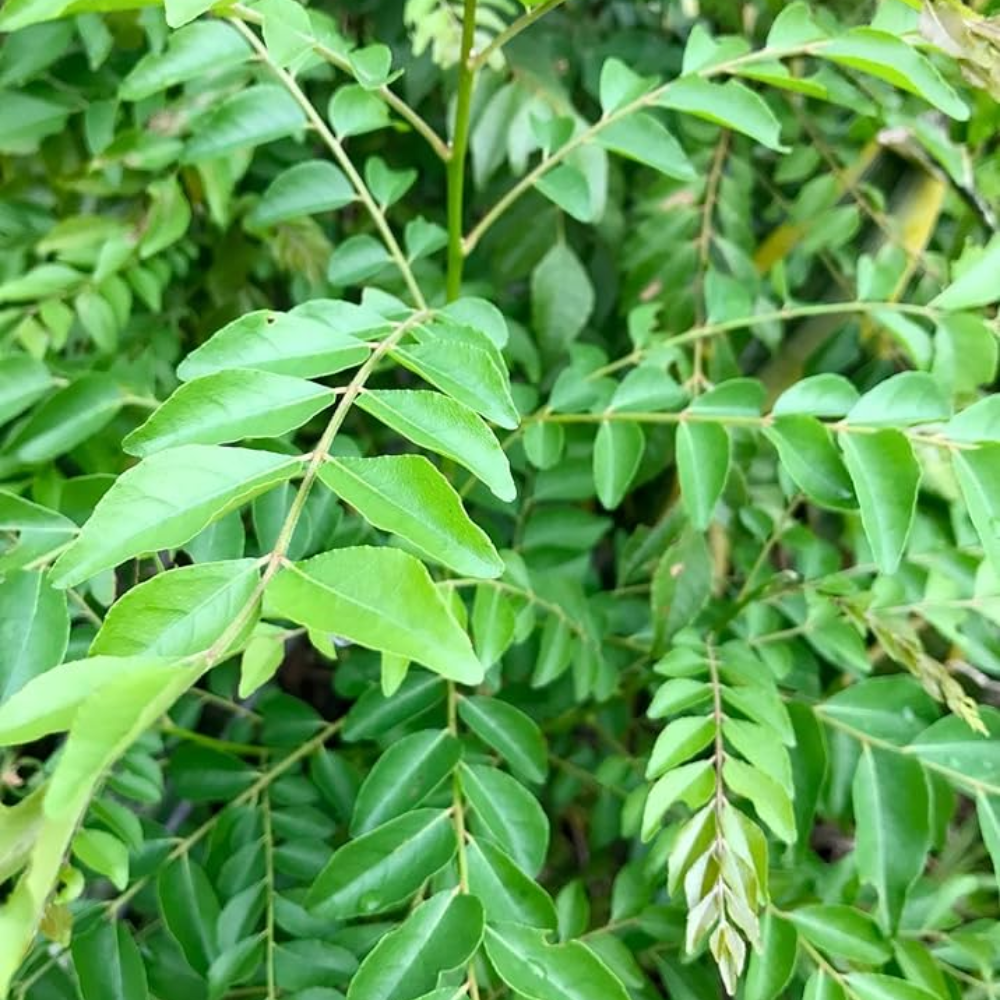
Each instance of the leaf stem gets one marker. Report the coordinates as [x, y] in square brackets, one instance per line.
[527, 19]
[404, 110]
[459, 151]
[344, 161]
[648, 99]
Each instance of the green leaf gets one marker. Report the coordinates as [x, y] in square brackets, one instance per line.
[544, 441]
[822, 986]
[250, 117]
[966, 353]
[510, 732]
[978, 474]
[771, 968]
[22, 381]
[34, 629]
[772, 802]
[907, 398]
[842, 931]
[287, 30]
[287, 343]
[181, 11]
[403, 777]
[562, 298]
[678, 742]
[371, 65]
[693, 784]
[307, 188]
[190, 910]
[537, 970]
[703, 467]
[405, 494]
[165, 501]
[968, 757]
[618, 450]
[976, 285]
[354, 111]
[49, 702]
[730, 104]
[229, 406]
[493, 623]
[806, 450]
[439, 935]
[507, 894]
[179, 612]
[357, 259]
[886, 478]
[465, 372]
[105, 854]
[872, 986]
[261, 658]
[642, 138]
[375, 713]
[619, 85]
[891, 812]
[101, 731]
[889, 58]
[382, 869]
[380, 598]
[108, 964]
[682, 584]
[977, 423]
[793, 27]
[988, 814]
[66, 419]
[446, 427]
[893, 708]
[191, 52]
[566, 187]
[508, 814]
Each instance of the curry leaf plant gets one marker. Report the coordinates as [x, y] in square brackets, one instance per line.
[499, 500]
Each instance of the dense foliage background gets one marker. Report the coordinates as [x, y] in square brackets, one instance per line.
[499, 501]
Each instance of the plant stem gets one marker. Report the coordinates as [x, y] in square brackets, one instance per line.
[513, 30]
[409, 114]
[343, 160]
[459, 149]
[649, 99]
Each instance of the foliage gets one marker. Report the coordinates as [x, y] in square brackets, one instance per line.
[498, 500]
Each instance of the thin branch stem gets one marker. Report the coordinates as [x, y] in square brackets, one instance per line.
[260, 785]
[479, 59]
[459, 150]
[404, 110]
[334, 145]
[646, 100]
[272, 980]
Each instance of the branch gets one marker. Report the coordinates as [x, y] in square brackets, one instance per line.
[479, 59]
[404, 110]
[335, 147]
